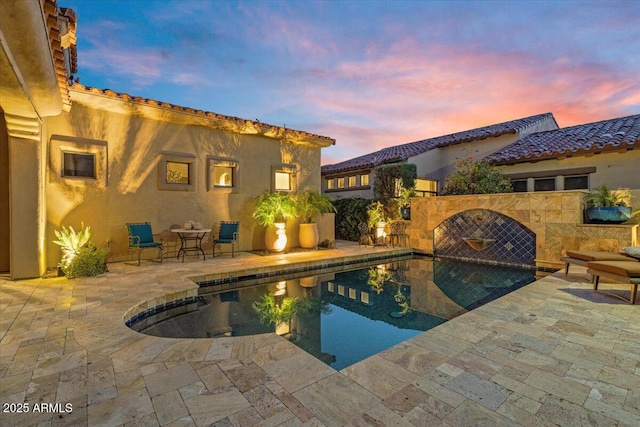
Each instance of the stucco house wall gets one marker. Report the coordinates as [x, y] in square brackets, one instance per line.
[615, 169]
[130, 139]
[435, 157]
[133, 139]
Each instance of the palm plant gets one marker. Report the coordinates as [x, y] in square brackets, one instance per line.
[310, 204]
[603, 197]
[272, 208]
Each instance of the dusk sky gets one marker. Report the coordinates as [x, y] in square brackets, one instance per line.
[370, 74]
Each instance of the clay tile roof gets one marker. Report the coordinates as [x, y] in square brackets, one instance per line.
[51, 12]
[621, 133]
[402, 152]
[242, 125]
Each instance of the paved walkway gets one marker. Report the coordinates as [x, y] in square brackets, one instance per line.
[551, 353]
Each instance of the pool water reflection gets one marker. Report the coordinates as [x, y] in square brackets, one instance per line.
[342, 318]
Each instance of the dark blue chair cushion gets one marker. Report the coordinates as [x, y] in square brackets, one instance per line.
[226, 232]
[150, 245]
[143, 231]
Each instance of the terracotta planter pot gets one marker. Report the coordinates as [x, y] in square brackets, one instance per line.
[309, 236]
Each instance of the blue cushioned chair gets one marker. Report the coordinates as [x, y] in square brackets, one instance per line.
[141, 237]
[228, 234]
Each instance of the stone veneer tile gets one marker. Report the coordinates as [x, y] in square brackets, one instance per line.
[378, 375]
[122, 409]
[206, 409]
[171, 379]
[297, 371]
[220, 349]
[439, 391]
[484, 392]
[414, 358]
[264, 401]
[406, 399]
[377, 415]
[536, 344]
[169, 407]
[480, 366]
[441, 343]
[245, 376]
[336, 399]
[470, 414]
[559, 386]
[279, 349]
[557, 411]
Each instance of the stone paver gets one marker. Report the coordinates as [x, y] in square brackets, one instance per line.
[553, 352]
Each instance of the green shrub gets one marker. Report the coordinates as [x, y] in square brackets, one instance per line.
[391, 178]
[350, 212]
[88, 261]
[471, 177]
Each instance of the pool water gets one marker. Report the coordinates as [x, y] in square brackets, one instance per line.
[342, 318]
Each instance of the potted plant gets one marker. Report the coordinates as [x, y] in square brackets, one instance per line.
[604, 206]
[309, 205]
[377, 219]
[405, 202]
[271, 211]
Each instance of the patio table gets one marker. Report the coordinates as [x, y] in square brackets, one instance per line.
[191, 241]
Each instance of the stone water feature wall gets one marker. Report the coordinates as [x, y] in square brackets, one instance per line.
[555, 217]
[485, 235]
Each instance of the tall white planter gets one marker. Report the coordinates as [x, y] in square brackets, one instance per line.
[309, 236]
[275, 238]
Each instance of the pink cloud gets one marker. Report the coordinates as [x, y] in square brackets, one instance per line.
[419, 93]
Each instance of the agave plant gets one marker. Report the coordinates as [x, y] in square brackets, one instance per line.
[72, 241]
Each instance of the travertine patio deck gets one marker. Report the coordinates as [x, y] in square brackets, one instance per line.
[551, 353]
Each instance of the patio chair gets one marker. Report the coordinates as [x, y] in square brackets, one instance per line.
[141, 238]
[619, 271]
[365, 234]
[228, 234]
[397, 233]
[583, 257]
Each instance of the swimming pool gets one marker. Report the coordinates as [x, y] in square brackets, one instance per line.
[342, 317]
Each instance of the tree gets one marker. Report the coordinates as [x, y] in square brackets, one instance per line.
[475, 177]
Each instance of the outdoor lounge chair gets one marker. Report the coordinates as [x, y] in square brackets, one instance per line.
[620, 271]
[583, 257]
[228, 234]
[141, 238]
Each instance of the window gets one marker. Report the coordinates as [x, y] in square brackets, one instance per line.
[576, 182]
[330, 184]
[364, 180]
[79, 165]
[352, 181]
[544, 184]
[222, 176]
[283, 181]
[177, 171]
[283, 177]
[340, 182]
[221, 173]
[79, 161]
[519, 185]
[426, 187]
